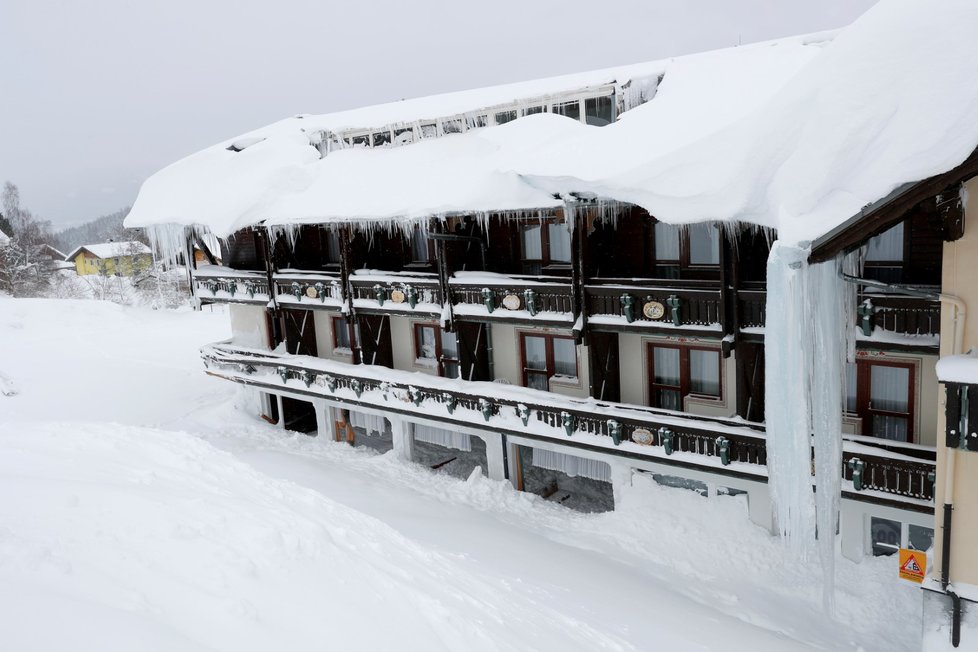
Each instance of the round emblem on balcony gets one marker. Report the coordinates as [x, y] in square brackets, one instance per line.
[511, 302]
[653, 310]
[642, 436]
[311, 292]
[397, 296]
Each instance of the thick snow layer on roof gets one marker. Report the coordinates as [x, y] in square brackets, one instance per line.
[798, 135]
[112, 249]
[961, 368]
[886, 102]
[278, 177]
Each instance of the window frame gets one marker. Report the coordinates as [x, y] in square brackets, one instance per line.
[549, 361]
[338, 325]
[684, 263]
[685, 373]
[546, 262]
[415, 262]
[439, 358]
[864, 410]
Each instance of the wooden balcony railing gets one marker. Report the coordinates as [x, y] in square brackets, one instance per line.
[680, 303]
[719, 446]
[309, 289]
[215, 284]
[397, 292]
[512, 298]
[899, 314]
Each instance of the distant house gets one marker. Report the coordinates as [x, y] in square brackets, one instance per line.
[50, 258]
[111, 258]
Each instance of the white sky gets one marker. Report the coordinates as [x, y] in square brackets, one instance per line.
[96, 96]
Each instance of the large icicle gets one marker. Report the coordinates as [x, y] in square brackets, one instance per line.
[806, 341]
[787, 413]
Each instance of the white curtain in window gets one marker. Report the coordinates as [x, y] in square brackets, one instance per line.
[565, 357]
[890, 388]
[704, 372]
[373, 424]
[572, 465]
[536, 352]
[665, 361]
[560, 243]
[442, 437]
[704, 244]
[532, 247]
[887, 246]
[666, 242]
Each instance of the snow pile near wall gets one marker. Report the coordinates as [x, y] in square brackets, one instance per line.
[961, 368]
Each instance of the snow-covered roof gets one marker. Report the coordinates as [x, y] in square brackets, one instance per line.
[4, 238]
[796, 134]
[962, 368]
[111, 249]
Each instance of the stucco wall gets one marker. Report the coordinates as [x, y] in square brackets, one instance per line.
[402, 340]
[248, 325]
[507, 365]
[324, 338]
[960, 274]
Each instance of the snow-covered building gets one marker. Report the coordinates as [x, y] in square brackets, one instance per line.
[734, 271]
[111, 258]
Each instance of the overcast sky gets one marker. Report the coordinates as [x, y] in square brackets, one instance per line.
[96, 96]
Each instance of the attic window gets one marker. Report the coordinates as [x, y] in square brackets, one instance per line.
[598, 111]
[429, 130]
[244, 143]
[403, 136]
[571, 110]
[451, 126]
[505, 116]
[477, 121]
[534, 109]
[382, 138]
[361, 141]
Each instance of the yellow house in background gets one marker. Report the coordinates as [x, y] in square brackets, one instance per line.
[111, 258]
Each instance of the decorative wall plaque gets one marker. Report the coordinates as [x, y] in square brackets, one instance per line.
[653, 310]
[642, 436]
[511, 302]
[311, 292]
[397, 296]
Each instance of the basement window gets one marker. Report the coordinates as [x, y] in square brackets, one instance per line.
[598, 111]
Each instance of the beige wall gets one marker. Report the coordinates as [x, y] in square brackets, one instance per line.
[402, 341]
[324, 337]
[633, 360]
[248, 325]
[960, 274]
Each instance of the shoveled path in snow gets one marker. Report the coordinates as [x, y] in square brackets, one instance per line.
[443, 564]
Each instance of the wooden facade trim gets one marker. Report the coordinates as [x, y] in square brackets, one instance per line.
[881, 215]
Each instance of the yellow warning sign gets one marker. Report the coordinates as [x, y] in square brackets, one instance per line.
[913, 565]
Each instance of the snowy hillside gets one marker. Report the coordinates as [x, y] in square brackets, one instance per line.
[146, 510]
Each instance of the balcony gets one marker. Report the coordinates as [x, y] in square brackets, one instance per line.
[892, 319]
[397, 293]
[216, 284]
[874, 471]
[496, 297]
[659, 305]
[309, 290]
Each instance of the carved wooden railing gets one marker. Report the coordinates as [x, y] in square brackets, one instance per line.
[514, 297]
[405, 292]
[752, 308]
[720, 446]
[696, 303]
[308, 289]
[215, 284]
[899, 314]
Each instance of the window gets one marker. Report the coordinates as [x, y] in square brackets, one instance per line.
[505, 116]
[436, 349]
[881, 394]
[677, 371]
[451, 126]
[547, 356]
[885, 255]
[569, 109]
[887, 536]
[420, 251]
[382, 138]
[598, 111]
[546, 245]
[334, 255]
[677, 248]
[534, 109]
[341, 335]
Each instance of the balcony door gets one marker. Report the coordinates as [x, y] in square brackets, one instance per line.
[882, 395]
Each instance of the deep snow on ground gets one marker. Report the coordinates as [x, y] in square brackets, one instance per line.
[145, 508]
